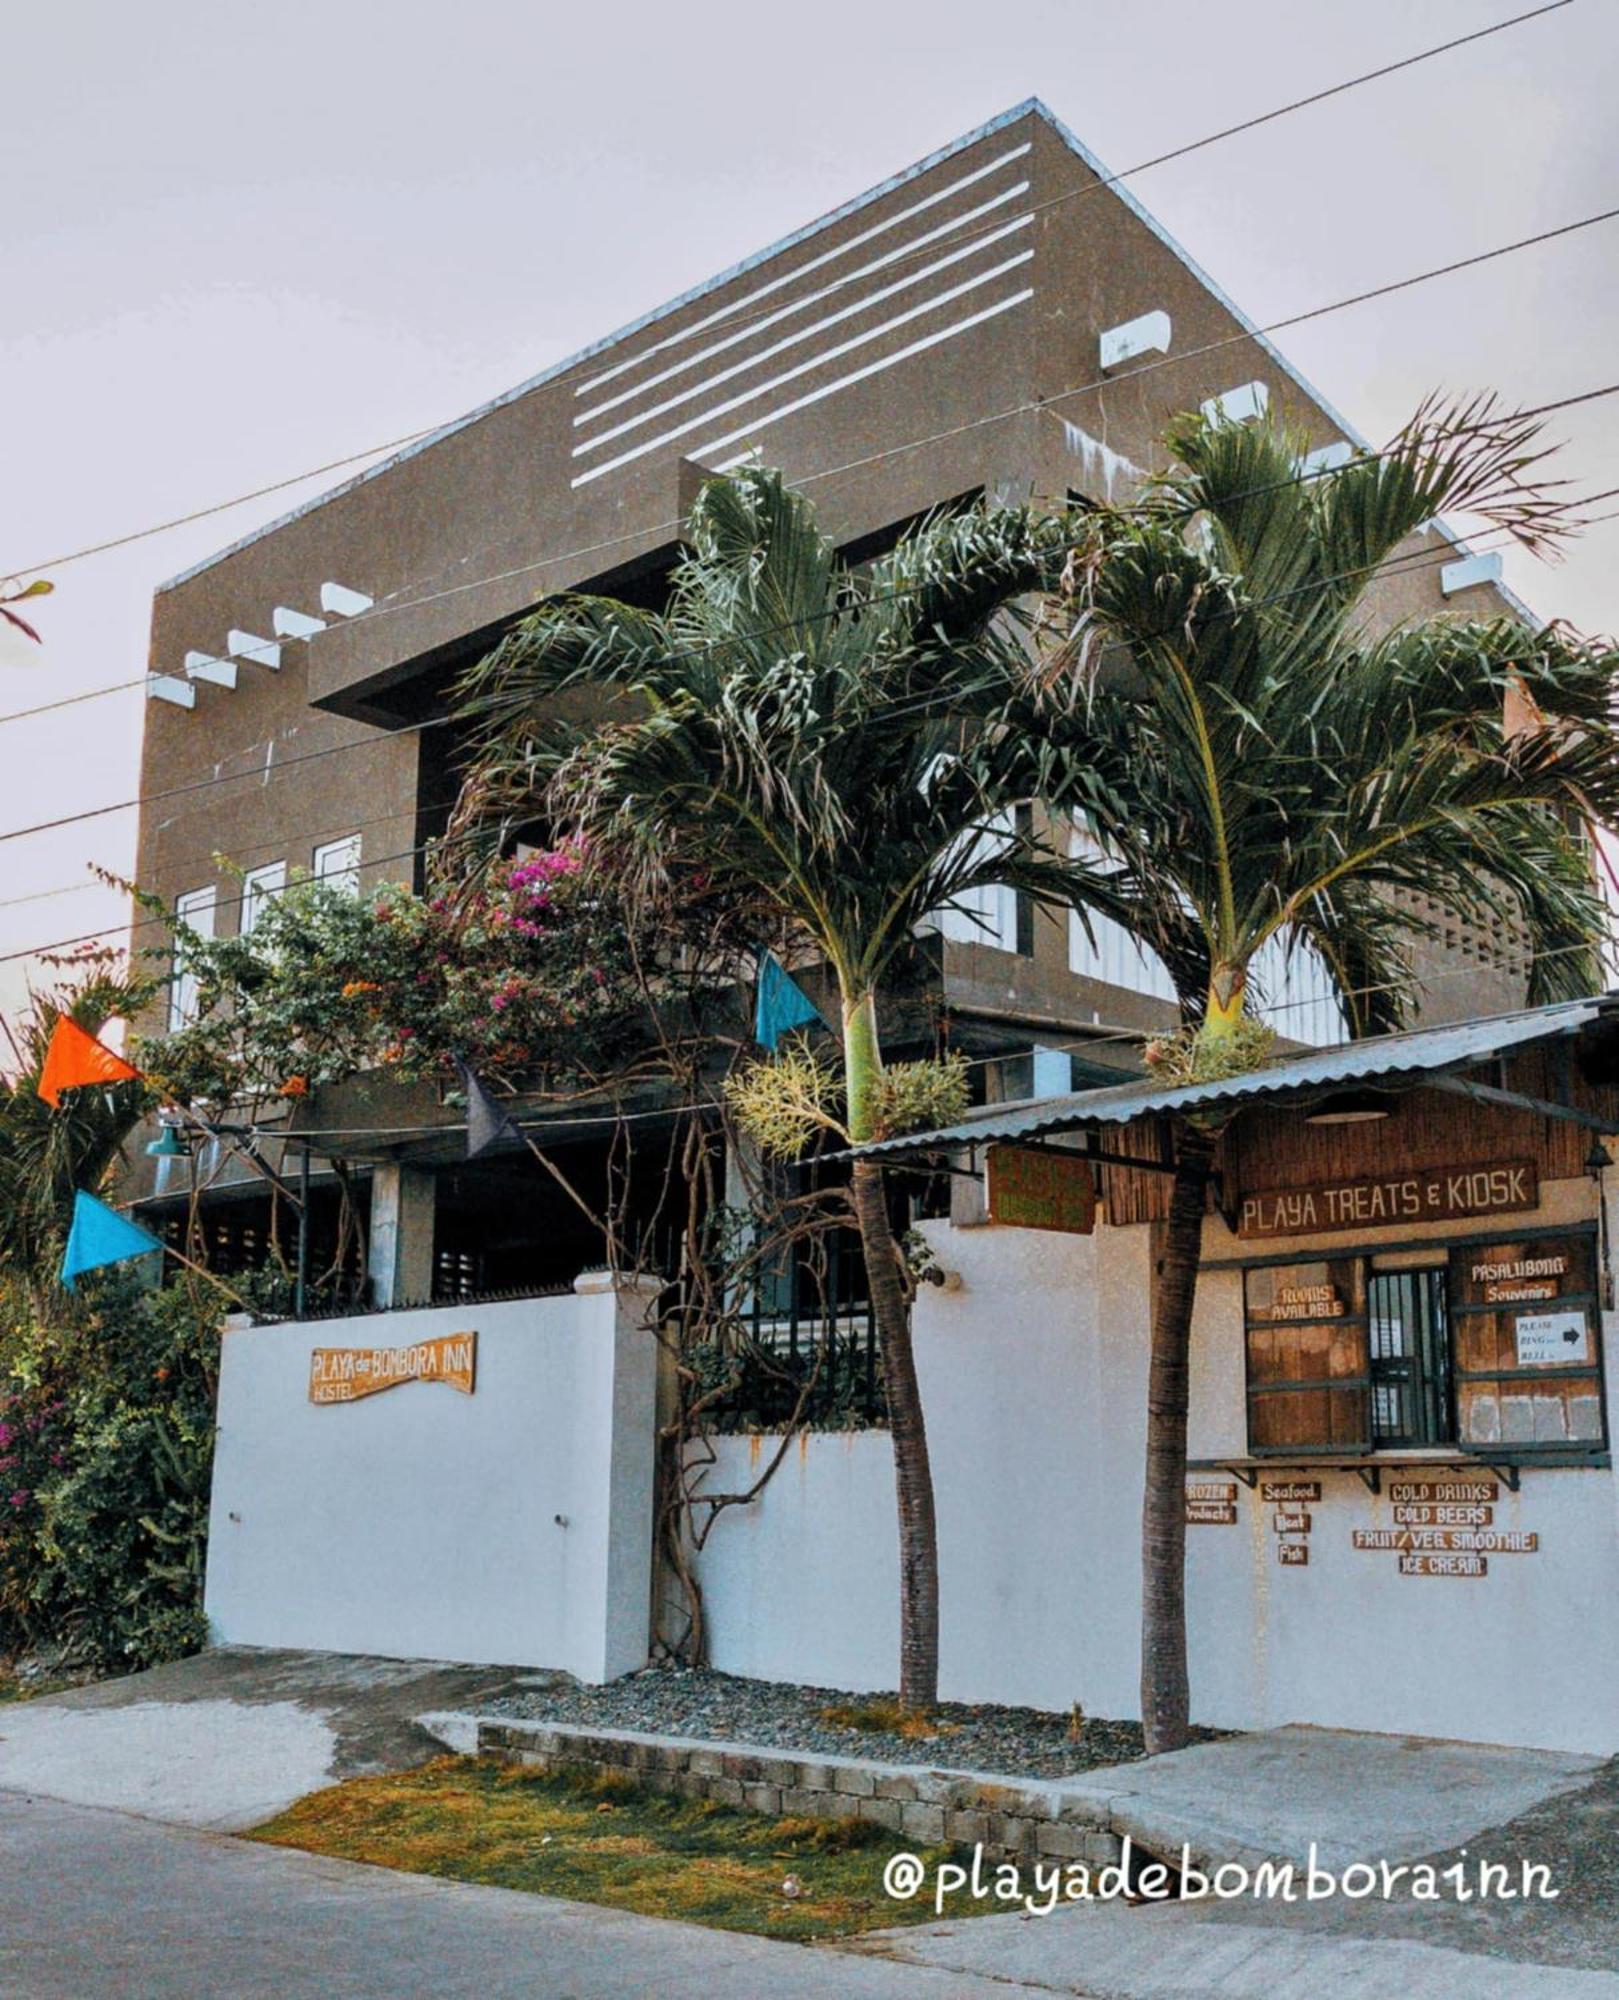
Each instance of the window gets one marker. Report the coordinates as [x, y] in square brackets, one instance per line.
[194, 911]
[259, 886]
[1292, 990]
[1409, 1339]
[1481, 1345]
[989, 913]
[337, 864]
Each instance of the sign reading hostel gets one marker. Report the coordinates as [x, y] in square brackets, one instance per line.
[345, 1374]
[1428, 1194]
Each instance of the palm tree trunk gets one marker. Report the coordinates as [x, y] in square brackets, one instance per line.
[891, 1312]
[1165, 1690]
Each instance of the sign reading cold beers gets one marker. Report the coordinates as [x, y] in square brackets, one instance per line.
[1424, 1194]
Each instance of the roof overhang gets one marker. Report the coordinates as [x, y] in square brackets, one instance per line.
[1426, 1057]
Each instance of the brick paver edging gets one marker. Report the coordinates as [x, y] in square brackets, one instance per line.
[1019, 1819]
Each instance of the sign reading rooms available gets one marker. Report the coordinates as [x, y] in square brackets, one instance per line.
[345, 1374]
[1429, 1194]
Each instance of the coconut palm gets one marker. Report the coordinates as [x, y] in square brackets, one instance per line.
[1263, 767]
[823, 745]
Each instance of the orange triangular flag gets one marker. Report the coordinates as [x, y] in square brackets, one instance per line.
[75, 1057]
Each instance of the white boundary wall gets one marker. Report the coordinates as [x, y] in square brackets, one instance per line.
[1034, 1383]
[513, 1525]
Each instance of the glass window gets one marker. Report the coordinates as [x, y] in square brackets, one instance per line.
[338, 864]
[259, 886]
[194, 911]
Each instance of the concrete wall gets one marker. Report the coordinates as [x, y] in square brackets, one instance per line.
[1034, 1382]
[511, 1525]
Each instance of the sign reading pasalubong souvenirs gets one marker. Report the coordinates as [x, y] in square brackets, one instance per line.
[1423, 1194]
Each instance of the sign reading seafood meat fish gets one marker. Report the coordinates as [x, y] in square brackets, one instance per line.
[345, 1374]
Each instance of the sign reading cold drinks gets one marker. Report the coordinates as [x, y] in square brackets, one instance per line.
[1425, 1194]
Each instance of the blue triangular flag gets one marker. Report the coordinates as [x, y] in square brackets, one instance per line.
[100, 1235]
[781, 1003]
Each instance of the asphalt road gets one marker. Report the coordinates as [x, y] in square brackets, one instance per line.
[98, 1905]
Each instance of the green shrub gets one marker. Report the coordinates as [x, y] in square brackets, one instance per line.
[106, 1449]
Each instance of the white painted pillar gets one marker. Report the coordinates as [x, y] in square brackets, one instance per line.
[608, 1582]
[400, 1260]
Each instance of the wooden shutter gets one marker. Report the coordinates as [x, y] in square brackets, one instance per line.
[1526, 1342]
[1309, 1376]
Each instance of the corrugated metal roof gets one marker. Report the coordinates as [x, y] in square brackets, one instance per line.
[1379, 1059]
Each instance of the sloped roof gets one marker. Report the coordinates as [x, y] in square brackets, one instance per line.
[1380, 1059]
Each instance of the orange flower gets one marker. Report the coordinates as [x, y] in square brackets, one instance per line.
[295, 1086]
[360, 986]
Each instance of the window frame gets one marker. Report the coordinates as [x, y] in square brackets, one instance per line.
[184, 994]
[345, 879]
[1423, 1256]
[260, 886]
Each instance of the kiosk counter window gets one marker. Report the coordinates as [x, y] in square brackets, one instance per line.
[1481, 1344]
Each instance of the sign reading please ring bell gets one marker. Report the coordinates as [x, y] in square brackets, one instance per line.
[345, 1374]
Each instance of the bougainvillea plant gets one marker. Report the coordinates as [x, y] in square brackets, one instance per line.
[532, 978]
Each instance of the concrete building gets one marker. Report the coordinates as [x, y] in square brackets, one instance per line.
[998, 319]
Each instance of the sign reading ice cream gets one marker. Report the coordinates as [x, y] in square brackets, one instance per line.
[345, 1374]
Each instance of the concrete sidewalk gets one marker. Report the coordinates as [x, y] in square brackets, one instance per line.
[1355, 1797]
[234, 1736]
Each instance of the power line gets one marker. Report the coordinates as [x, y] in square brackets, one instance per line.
[739, 317]
[1415, 559]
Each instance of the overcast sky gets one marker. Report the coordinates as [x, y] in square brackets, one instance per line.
[240, 241]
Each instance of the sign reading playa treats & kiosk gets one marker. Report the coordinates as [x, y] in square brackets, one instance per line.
[1426, 1194]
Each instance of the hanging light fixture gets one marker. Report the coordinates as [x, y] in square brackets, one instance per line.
[170, 1144]
[1350, 1107]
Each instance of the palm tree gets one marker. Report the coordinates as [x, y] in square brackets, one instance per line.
[1260, 766]
[822, 745]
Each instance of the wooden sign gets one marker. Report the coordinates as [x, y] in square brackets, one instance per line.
[1290, 1491]
[1293, 1553]
[1211, 1503]
[345, 1374]
[1312, 1302]
[1405, 1491]
[1477, 1541]
[1430, 1194]
[1290, 1521]
[1443, 1566]
[1029, 1188]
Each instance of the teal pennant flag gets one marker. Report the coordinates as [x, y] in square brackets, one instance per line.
[100, 1235]
[781, 1004]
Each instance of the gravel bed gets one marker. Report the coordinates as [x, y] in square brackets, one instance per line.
[693, 1702]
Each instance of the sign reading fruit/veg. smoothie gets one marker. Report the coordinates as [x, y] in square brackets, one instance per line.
[1425, 1194]
[345, 1374]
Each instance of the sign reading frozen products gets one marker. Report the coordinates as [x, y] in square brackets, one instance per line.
[345, 1374]
[1545, 1340]
[1426, 1194]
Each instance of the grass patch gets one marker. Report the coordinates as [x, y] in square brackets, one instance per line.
[607, 1840]
[882, 1715]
